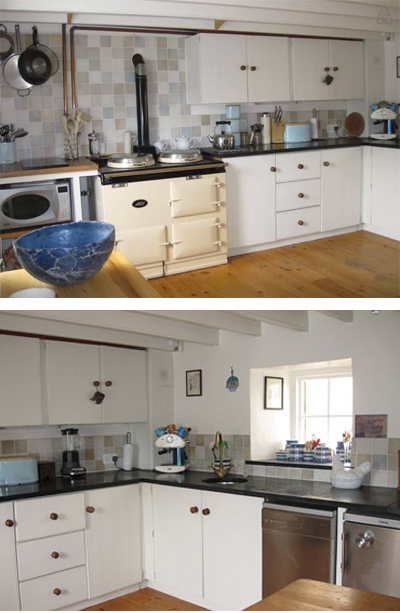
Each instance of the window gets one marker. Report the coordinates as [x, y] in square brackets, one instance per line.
[325, 406]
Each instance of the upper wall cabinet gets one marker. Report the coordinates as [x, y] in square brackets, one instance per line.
[20, 381]
[91, 384]
[317, 60]
[237, 68]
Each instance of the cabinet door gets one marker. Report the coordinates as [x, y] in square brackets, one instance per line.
[223, 68]
[195, 237]
[113, 539]
[20, 381]
[310, 58]
[178, 541]
[143, 246]
[347, 64]
[195, 196]
[385, 211]
[341, 188]
[268, 67]
[126, 397]
[251, 198]
[232, 550]
[71, 370]
[9, 600]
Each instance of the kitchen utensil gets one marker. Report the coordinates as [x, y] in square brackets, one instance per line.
[11, 71]
[6, 44]
[43, 49]
[34, 65]
[354, 124]
[180, 156]
[94, 143]
[277, 131]
[4, 131]
[222, 140]
[19, 133]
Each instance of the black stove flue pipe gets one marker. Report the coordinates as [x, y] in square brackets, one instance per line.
[141, 100]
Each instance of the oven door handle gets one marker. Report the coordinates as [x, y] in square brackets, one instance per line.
[346, 539]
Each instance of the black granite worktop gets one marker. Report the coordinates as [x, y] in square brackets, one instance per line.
[294, 492]
[315, 145]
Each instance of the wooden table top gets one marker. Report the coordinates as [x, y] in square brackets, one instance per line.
[117, 279]
[308, 595]
[11, 171]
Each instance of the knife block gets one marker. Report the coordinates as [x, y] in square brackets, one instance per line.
[277, 130]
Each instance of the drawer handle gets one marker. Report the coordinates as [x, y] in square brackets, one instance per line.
[55, 555]
[327, 164]
[253, 68]
[206, 511]
[9, 523]
[96, 383]
[53, 516]
[300, 166]
[335, 69]
[301, 195]
[273, 169]
[194, 509]
[109, 383]
[327, 69]
[89, 509]
[243, 67]
[57, 591]
[300, 222]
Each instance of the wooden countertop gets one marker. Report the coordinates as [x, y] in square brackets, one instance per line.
[11, 171]
[117, 279]
[308, 595]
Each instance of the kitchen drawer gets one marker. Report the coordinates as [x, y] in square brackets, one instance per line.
[196, 195]
[54, 591]
[298, 195]
[50, 555]
[49, 516]
[298, 223]
[298, 166]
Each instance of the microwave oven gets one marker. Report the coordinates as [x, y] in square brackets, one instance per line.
[23, 205]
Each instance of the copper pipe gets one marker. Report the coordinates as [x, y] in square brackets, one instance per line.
[64, 52]
[72, 51]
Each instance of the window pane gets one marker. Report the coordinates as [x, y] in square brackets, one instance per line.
[316, 397]
[317, 426]
[341, 396]
[338, 425]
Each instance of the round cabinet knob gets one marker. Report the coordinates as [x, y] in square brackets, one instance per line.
[57, 591]
[108, 383]
[96, 383]
[194, 510]
[53, 516]
[55, 555]
[326, 163]
[273, 169]
[89, 509]
[335, 69]
[9, 523]
[300, 222]
[206, 511]
[327, 69]
[243, 67]
[253, 68]
[301, 195]
[300, 166]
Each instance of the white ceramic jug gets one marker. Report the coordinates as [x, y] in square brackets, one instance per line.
[161, 145]
[183, 143]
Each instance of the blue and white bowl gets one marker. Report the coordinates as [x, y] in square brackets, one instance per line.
[281, 455]
[67, 253]
[308, 456]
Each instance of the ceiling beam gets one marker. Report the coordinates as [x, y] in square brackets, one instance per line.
[232, 321]
[345, 316]
[295, 320]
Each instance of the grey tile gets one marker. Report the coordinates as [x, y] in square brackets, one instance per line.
[380, 462]
[8, 448]
[35, 116]
[21, 446]
[108, 113]
[105, 41]
[394, 445]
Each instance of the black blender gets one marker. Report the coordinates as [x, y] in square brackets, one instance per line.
[71, 465]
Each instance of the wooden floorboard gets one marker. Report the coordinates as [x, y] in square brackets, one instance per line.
[355, 265]
[146, 600]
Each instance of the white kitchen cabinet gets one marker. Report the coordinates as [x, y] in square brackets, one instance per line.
[385, 190]
[298, 166]
[9, 598]
[237, 68]
[311, 58]
[113, 538]
[55, 591]
[296, 223]
[341, 188]
[251, 201]
[75, 371]
[207, 546]
[20, 381]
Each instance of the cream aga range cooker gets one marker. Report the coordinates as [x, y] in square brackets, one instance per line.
[169, 215]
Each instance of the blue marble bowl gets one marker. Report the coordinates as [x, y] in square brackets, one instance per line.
[68, 253]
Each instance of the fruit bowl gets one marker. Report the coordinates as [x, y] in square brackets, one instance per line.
[67, 253]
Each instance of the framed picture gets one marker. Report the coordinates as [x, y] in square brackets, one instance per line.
[193, 383]
[371, 426]
[398, 66]
[273, 393]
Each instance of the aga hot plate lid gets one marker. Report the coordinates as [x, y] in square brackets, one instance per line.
[180, 156]
[130, 160]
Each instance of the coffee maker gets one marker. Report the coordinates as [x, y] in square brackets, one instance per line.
[71, 464]
[175, 444]
[385, 114]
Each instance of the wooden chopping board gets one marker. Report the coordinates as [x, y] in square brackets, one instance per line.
[354, 124]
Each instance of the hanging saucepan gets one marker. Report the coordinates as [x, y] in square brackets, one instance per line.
[33, 64]
[6, 44]
[11, 71]
[36, 46]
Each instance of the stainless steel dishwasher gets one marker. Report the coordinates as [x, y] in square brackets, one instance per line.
[298, 543]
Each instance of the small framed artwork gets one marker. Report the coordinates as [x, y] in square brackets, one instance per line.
[398, 66]
[371, 426]
[193, 383]
[273, 393]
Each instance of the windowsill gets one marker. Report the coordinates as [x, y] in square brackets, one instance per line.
[287, 463]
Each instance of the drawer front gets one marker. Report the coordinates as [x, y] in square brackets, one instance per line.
[298, 195]
[298, 166]
[49, 516]
[50, 555]
[54, 591]
[288, 224]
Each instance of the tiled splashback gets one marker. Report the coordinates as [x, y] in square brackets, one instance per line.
[106, 90]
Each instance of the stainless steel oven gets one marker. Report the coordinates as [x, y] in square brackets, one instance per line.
[25, 205]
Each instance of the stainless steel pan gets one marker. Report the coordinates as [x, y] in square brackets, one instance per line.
[11, 71]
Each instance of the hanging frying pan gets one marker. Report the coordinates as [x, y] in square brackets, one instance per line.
[34, 65]
[11, 71]
[6, 44]
[37, 46]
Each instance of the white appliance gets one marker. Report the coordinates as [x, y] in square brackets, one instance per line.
[39, 203]
[385, 116]
[18, 470]
[167, 443]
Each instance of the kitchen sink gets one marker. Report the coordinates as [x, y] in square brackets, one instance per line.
[225, 480]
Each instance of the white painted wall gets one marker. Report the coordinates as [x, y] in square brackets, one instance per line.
[371, 342]
[392, 83]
